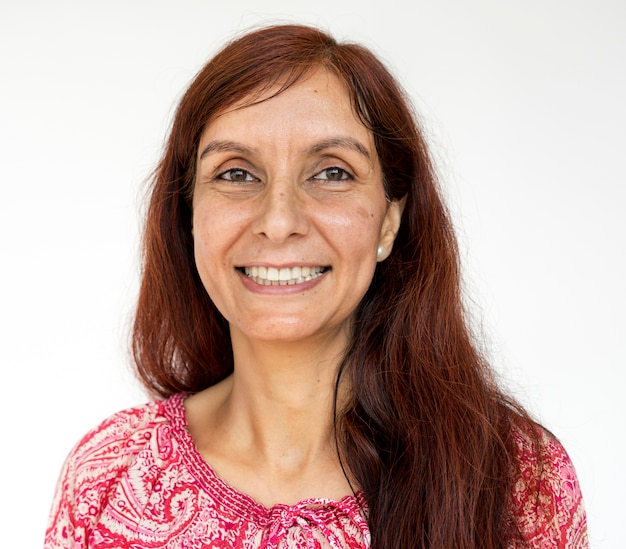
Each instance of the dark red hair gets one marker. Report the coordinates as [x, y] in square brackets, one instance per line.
[426, 434]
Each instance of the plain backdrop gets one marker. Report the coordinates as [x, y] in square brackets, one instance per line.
[523, 104]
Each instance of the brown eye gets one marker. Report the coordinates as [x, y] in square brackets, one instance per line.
[236, 175]
[333, 174]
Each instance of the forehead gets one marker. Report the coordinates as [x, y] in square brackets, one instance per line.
[313, 107]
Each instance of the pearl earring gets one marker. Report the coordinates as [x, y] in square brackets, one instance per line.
[381, 253]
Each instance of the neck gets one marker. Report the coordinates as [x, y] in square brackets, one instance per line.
[268, 428]
[284, 395]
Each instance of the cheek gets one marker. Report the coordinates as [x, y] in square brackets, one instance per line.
[347, 215]
[215, 228]
[210, 252]
[210, 245]
[362, 224]
[355, 234]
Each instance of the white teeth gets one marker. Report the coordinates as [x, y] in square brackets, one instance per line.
[271, 276]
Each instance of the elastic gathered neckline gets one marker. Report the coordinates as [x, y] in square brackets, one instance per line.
[323, 509]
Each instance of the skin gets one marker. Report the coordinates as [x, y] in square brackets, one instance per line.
[291, 181]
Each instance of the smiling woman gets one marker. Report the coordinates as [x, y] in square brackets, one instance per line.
[300, 321]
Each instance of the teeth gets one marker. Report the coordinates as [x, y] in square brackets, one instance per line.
[286, 276]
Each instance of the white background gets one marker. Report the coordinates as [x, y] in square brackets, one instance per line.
[524, 105]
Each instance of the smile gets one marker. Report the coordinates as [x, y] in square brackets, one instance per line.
[285, 276]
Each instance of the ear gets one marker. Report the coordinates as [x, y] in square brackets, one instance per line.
[390, 227]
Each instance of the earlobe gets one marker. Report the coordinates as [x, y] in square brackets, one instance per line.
[390, 228]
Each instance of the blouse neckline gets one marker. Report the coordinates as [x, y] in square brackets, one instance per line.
[238, 502]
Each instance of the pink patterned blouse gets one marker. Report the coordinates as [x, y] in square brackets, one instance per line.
[137, 481]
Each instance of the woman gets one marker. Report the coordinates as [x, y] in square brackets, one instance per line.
[300, 314]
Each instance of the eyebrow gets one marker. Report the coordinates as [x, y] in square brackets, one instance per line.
[342, 143]
[224, 146]
[334, 142]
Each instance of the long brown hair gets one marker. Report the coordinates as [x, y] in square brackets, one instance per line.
[426, 434]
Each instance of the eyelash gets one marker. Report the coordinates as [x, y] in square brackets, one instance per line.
[227, 175]
[345, 174]
[246, 174]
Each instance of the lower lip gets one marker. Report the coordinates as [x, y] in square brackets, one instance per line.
[287, 289]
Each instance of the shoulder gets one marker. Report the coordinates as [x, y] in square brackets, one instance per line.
[136, 442]
[547, 501]
[120, 437]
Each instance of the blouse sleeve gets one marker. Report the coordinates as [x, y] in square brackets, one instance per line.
[89, 474]
[61, 531]
[547, 499]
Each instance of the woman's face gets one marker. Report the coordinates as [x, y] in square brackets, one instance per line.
[288, 212]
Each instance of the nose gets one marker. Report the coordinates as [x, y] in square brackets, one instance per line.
[281, 213]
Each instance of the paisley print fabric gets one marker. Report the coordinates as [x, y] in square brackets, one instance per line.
[548, 507]
[137, 481]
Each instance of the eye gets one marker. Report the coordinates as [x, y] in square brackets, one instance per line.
[333, 174]
[237, 175]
